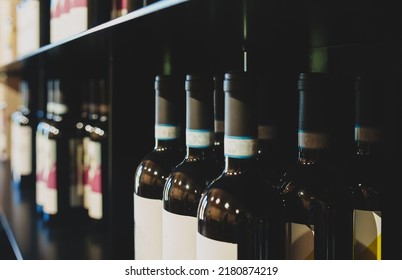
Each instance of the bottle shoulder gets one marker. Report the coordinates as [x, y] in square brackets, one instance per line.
[189, 179]
[166, 158]
[150, 178]
[249, 189]
[367, 180]
[315, 183]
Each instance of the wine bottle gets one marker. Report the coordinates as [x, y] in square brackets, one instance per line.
[98, 149]
[153, 170]
[56, 208]
[188, 180]
[270, 162]
[219, 125]
[22, 140]
[41, 147]
[365, 172]
[317, 200]
[239, 216]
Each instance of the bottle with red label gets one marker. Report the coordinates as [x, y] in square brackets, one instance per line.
[22, 140]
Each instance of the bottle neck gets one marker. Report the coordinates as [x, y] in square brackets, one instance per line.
[267, 146]
[199, 153]
[313, 147]
[267, 139]
[237, 165]
[218, 138]
[162, 145]
[367, 149]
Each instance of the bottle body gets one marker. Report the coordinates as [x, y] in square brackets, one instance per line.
[318, 225]
[152, 172]
[42, 147]
[366, 173]
[365, 179]
[22, 156]
[56, 169]
[56, 208]
[23, 141]
[188, 180]
[182, 193]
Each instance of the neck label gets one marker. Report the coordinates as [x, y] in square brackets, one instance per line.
[312, 140]
[196, 138]
[367, 134]
[240, 147]
[166, 132]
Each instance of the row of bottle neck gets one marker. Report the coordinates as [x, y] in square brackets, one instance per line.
[312, 146]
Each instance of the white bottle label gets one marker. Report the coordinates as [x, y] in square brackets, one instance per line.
[77, 172]
[147, 228]
[266, 132]
[14, 151]
[79, 16]
[179, 236]
[166, 132]
[367, 134]
[299, 242]
[50, 174]
[210, 249]
[40, 162]
[367, 235]
[240, 147]
[95, 208]
[22, 149]
[199, 138]
[311, 140]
